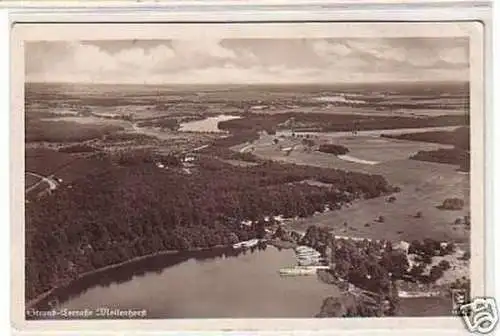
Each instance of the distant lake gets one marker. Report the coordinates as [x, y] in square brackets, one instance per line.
[209, 124]
[207, 284]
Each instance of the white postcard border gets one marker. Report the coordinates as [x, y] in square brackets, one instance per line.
[25, 32]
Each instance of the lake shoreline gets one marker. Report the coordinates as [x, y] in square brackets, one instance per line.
[32, 303]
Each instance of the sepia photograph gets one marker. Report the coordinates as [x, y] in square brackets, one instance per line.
[265, 177]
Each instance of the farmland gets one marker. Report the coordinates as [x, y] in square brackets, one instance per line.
[424, 185]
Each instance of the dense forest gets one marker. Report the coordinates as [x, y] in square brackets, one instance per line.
[133, 208]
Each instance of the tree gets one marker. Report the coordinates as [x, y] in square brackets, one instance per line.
[260, 228]
[466, 255]
[452, 204]
[333, 149]
[444, 265]
[435, 273]
[417, 270]
[395, 262]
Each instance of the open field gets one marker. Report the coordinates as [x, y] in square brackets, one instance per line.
[399, 223]
[381, 150]
[375, 149]
[424, 186]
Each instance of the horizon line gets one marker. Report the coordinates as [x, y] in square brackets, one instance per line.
[255, 84]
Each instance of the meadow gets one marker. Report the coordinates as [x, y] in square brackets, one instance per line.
[424, 186]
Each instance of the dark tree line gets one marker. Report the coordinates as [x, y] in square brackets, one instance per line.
[333, 149]
[335, 122]
[78, 148]
[458, 155]
[452, 204]
[454, 156]
[170, 123]
[460, 138]
[123, 136]
[65, 131]
[133, 208]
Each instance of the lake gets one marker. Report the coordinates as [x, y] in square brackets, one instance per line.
[210, 124]
[221, 283]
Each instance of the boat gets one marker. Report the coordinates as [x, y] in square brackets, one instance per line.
[308, 255]
[297, 271]
[246, 244]
[300, 270]
[304, 248]
[239, 245]
[309, 258]
[307, 262]
[252, 242]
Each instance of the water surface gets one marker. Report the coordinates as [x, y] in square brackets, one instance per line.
[210, 124]
[212, 284]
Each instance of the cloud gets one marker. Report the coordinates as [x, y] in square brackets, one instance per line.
[326, 49]
[378, 49]
[203, 48]
[454, 56]
[248, 61]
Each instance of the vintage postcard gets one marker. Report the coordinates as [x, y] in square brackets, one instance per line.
[232, 176]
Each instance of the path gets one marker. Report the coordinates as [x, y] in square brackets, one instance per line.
[52, 184]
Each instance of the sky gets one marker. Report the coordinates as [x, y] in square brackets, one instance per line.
[249, 61]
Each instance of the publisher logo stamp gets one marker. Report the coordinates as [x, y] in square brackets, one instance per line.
[479, 315]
